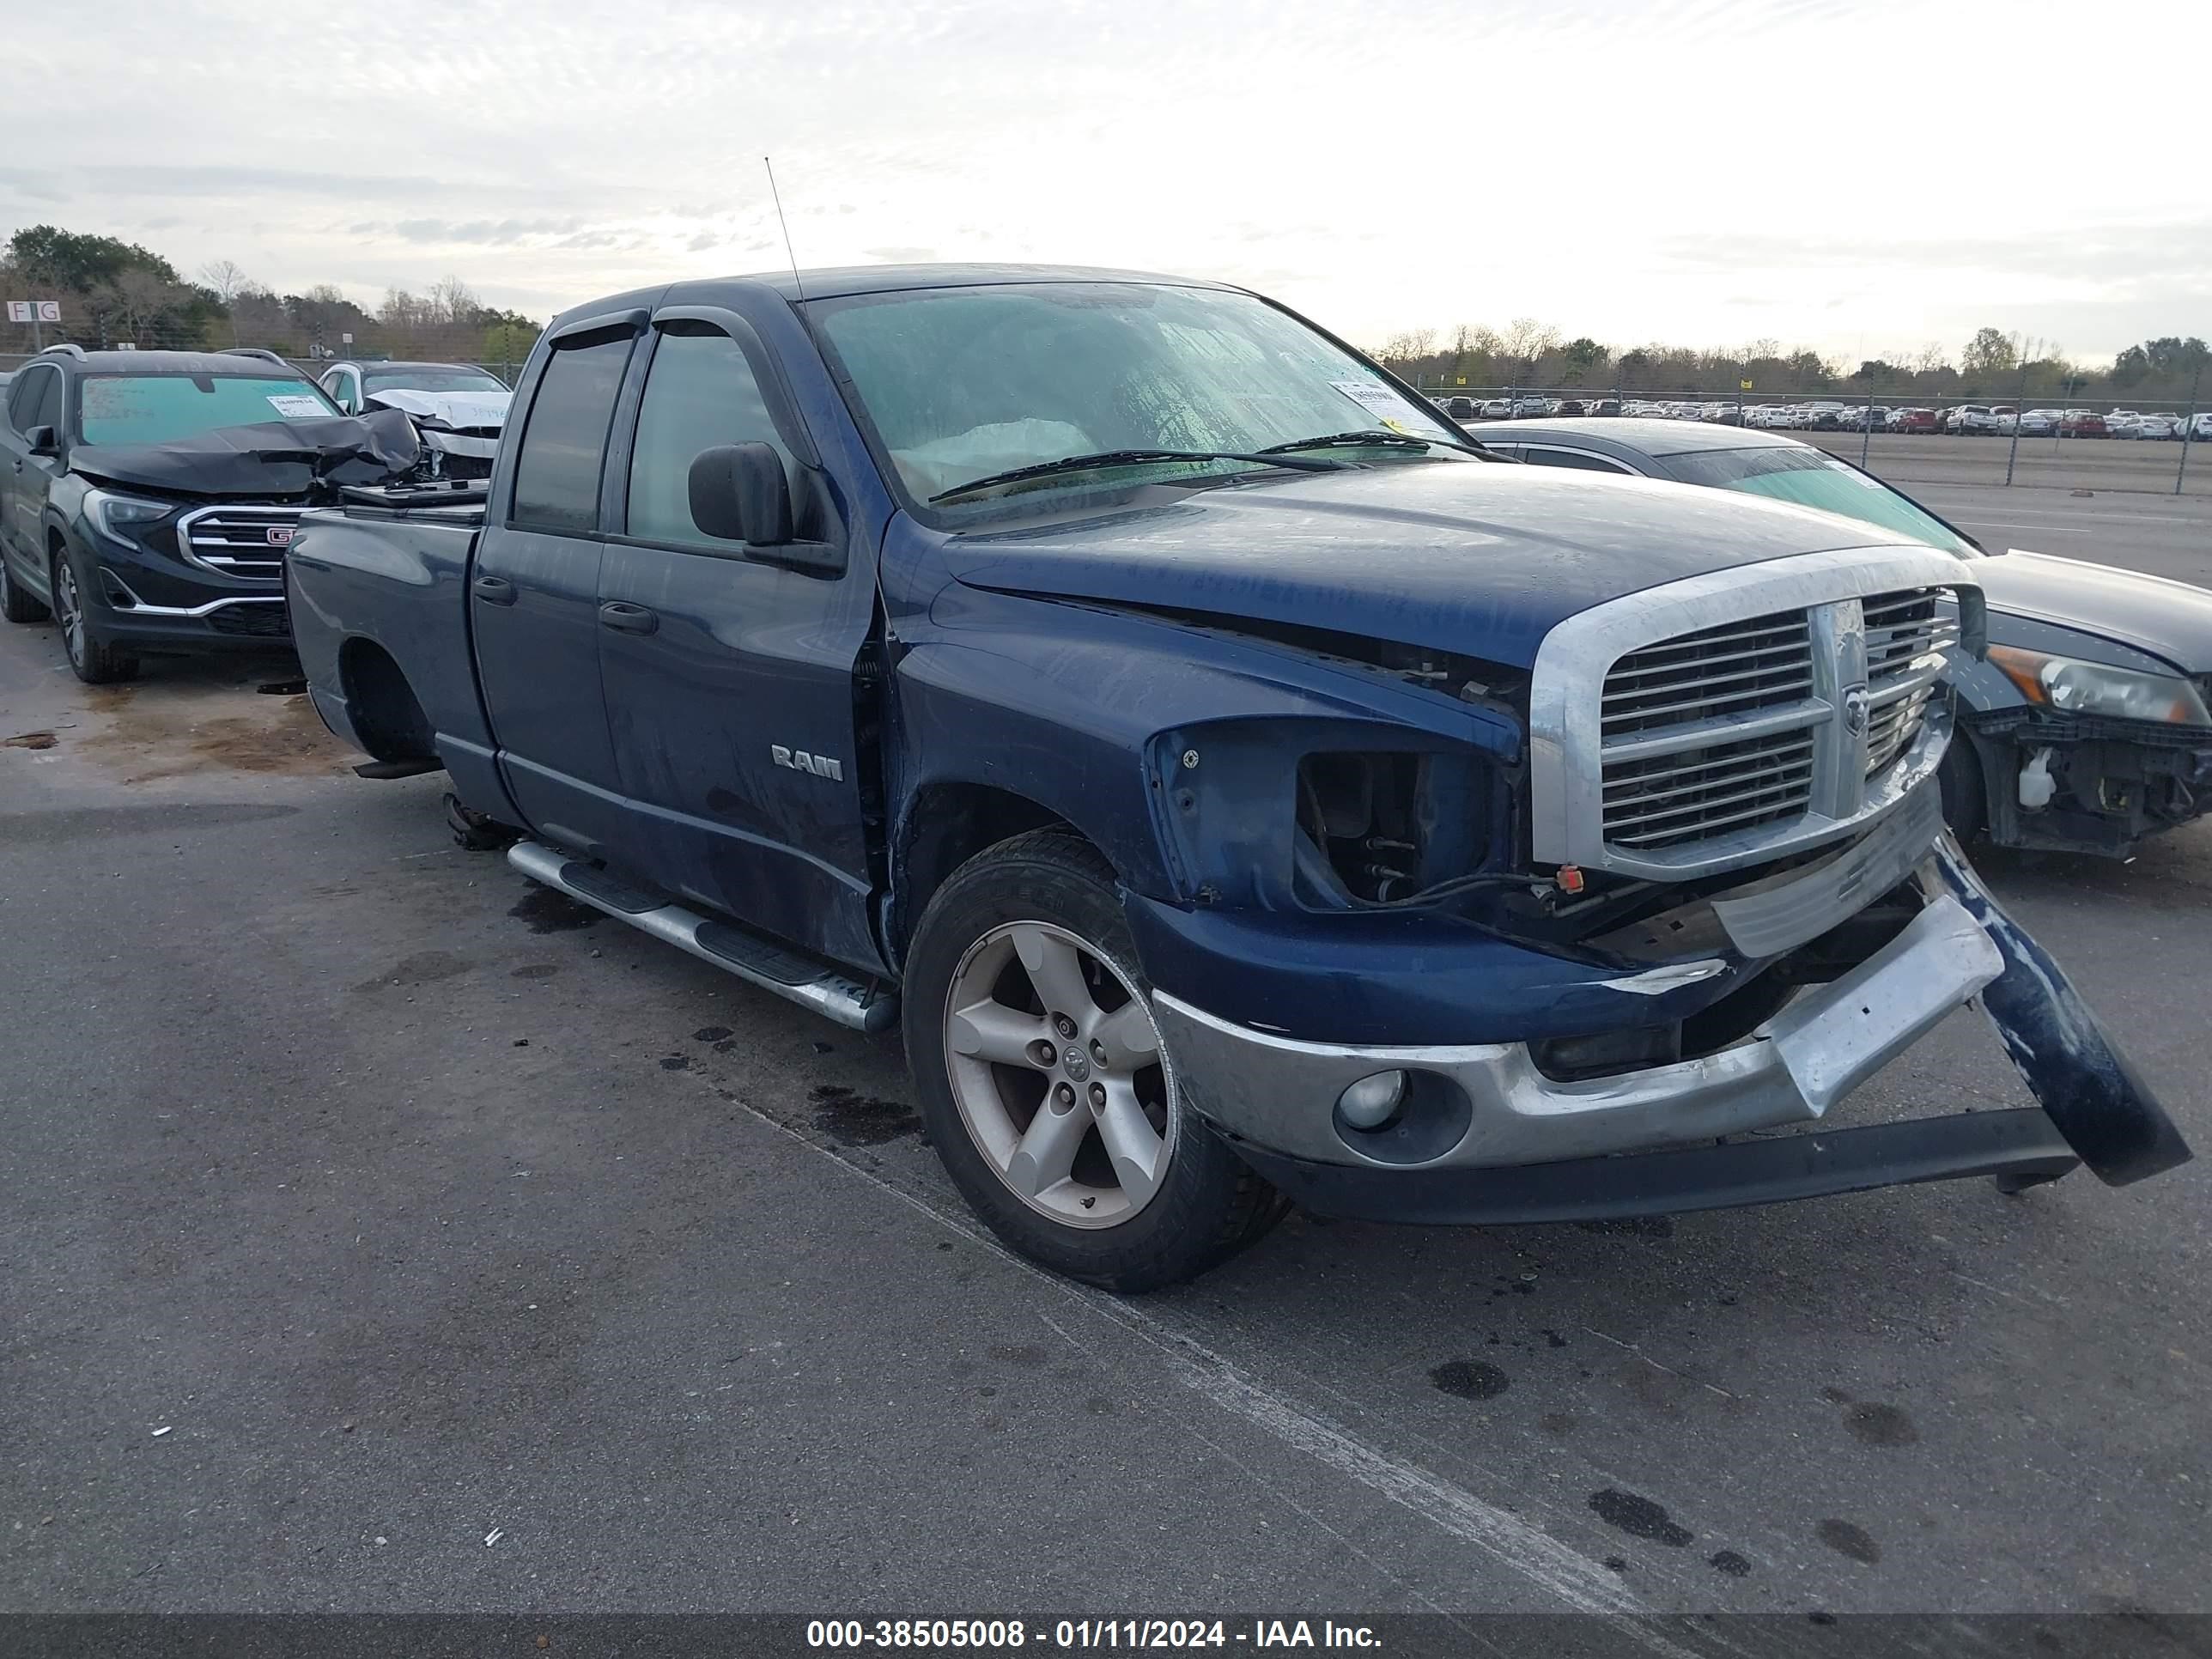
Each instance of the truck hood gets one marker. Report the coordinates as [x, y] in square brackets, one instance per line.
[266, 459]
[2169, 619]
[1479, 560]
[462, 410]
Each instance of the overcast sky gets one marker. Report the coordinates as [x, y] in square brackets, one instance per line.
[1865, 176]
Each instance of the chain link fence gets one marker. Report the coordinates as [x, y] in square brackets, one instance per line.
[2053, 441]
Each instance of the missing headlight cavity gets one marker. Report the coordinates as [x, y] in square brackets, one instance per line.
[1391, 825]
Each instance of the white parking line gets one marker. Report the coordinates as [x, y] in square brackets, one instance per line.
[2047, 529]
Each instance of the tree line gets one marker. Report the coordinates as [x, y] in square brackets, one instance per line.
[116, 293]
[1992, 364]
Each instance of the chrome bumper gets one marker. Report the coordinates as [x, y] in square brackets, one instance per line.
[1280, 1094]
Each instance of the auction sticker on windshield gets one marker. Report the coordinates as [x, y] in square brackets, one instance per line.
[295, 407]
[1377, 400]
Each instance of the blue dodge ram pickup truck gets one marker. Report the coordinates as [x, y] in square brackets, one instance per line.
[1242, 787]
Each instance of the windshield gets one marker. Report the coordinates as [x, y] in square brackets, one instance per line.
[1812, 477]
[963, 383]
[431, 379]
[159, 409]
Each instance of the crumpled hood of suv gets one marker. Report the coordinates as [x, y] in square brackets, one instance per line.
[1479, 560]
[265, 460]
[465, 411]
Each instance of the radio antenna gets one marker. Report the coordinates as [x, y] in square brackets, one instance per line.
[788, 251]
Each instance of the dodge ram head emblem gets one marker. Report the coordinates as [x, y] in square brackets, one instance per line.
[815, 766]
[1855, 711]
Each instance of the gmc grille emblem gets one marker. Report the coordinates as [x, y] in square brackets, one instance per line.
[280, 535]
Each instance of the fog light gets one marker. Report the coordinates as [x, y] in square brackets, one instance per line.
[1373, 1101]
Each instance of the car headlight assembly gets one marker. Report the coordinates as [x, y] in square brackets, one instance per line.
[2072, 686]
[118, 517]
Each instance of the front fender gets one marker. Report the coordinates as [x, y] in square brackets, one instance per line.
[1066, 704]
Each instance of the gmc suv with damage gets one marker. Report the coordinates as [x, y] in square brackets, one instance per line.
[147, 497]
[1241, 787]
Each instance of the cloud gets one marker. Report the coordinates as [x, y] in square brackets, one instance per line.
[605, 146]
[901, 256]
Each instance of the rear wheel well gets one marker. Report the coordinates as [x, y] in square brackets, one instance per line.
[948, 825]
[387, 716]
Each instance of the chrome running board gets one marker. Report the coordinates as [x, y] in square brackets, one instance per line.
[828, 991]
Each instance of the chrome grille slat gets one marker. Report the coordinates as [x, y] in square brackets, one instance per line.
[1906, 634]
[234, 539]
[1769, 790]
[1690, 664]
[1783, 763]
[1787, 807]
[1622, 776]
[1788, 690]
[1679, 763]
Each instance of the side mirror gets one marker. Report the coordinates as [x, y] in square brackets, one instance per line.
[42, 441]
[739, 494]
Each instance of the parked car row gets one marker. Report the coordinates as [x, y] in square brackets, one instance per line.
[1973, 420]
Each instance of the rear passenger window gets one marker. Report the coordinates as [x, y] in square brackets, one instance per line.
[1573, 457]
[557, 472]
[701, 391]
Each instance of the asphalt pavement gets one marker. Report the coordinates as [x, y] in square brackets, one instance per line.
[383, 1233]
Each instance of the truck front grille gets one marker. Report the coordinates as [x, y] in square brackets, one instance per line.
[1903, 630]
[1715, 734]
[1680, 763]
[1747, 714]
[242, 541]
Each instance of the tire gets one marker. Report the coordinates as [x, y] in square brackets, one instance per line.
[1966, 804]
[15, 604]
[473, 832]
[1168, 1199]
[92, 658]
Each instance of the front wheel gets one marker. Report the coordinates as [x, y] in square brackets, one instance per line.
[95, 660]
[1045, 1083]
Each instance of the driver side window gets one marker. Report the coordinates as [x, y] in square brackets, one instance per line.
[700, 392]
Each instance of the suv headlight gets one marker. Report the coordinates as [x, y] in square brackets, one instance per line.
[2089, 688]
[115, 516]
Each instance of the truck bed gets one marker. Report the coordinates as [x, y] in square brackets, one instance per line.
[386, 575]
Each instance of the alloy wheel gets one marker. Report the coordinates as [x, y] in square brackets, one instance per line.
[1060, 1075]
[69, 611]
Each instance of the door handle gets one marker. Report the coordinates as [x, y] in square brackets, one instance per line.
[628, 618]
[494, 590]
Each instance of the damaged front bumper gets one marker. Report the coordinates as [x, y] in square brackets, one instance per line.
[2112, 782]
[1482, 1135]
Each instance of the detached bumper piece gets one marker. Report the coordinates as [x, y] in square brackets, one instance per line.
[2105, 1110]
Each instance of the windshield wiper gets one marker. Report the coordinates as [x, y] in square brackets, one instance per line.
[1106, 458]
[1376, 437]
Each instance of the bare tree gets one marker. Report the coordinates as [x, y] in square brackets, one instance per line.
[453, 300]
[227, 280]
[1526, 342]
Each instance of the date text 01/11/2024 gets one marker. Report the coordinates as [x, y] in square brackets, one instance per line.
[1084, 1633]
